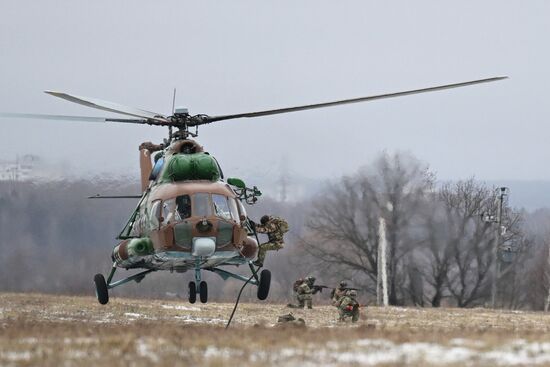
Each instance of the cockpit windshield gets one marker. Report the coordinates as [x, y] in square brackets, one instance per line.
[183, 204]
[201, 204]
[221, 207]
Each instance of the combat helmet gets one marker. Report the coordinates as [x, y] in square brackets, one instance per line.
[343, 284]
[264, 219]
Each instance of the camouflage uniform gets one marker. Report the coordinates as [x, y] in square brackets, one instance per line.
[275, 239]
[339, 293]
[304, 293]
[290, 320]
[348, 306]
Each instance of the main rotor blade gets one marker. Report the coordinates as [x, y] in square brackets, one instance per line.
[41, 116]
[98, 196]
[109, 106]
[209, 119]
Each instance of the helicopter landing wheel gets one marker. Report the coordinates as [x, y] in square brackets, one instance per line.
[203, 291]
[192, 292]
[263, 286]
[101, 291]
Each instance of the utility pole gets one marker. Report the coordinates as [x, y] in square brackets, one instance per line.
[382, 274]
[502, 192]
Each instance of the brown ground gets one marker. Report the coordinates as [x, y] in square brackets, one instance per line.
[47, 330]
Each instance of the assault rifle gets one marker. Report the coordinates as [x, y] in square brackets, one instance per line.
[346, 289]
[319, 288]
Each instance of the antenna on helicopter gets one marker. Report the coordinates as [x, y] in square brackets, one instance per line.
[173, 108]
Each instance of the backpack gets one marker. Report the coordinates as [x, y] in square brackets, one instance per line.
[297, 285]
[281, 224]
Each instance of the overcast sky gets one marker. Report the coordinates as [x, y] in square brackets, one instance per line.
[238, 56]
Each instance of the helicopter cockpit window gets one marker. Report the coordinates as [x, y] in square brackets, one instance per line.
[157, 168]
[169, 211]
[221, 207]
[242, 210]
[183, 204]
[156, 214]
[233, 208]
[201, 204]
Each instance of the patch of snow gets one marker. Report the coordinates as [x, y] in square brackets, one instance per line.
[189, 318]
[81, 340]
[16, 356]
[135, 315]
[143, 349]
[181, 308]
[434, 353]
[461, 342]
[520, 353]
[76, 354]
[226, 353]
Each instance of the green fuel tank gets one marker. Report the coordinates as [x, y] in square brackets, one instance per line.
[197, 166]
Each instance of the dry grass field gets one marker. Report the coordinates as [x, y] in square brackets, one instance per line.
[48, 330]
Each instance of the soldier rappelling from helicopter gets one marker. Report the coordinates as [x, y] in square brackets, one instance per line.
[275, 228]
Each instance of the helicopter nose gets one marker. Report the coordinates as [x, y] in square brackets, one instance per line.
[203, 246]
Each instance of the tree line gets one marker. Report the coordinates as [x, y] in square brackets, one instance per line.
[439, 247]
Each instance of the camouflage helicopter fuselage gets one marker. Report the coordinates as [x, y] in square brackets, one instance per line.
[187, 218]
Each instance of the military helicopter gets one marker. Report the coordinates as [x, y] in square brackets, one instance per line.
[189, 217]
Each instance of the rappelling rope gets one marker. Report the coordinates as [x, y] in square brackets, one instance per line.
[254, 273]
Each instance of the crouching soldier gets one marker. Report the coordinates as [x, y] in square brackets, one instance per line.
[339, 292]
[304, 292]
[275, 228]
[348, 306]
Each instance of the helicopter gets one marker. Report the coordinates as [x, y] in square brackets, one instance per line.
[189, 217]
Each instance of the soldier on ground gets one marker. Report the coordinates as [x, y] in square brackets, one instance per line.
[305, 289]
[338, 292]
[290, 319]
[348, 306]
[275, 228]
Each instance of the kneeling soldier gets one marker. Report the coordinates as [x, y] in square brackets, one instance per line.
[339, 292]
[304, 292]
[348, 306]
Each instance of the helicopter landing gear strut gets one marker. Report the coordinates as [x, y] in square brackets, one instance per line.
[263, 281]
[199, 286]
[102, 286]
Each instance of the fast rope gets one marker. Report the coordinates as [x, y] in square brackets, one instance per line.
[254, 272]
[254, 275]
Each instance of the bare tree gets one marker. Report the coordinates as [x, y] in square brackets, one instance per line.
[343, 226]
